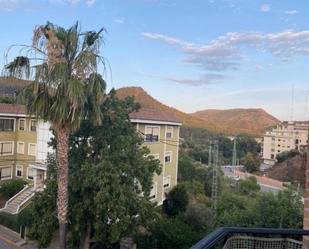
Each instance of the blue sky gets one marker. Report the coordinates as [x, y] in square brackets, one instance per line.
[191, 55]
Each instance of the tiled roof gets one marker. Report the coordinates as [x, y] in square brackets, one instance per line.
[12, 81]
[154, 115]
[12, 109]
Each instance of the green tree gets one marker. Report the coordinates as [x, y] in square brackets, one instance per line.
[66, 89]
[176, 201]
[199, 216]
[171, 233]
[248, 186]
[110, 180]
[251, 162]
[286, 154]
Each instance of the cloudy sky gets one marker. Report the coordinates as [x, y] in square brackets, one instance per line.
[191, 55]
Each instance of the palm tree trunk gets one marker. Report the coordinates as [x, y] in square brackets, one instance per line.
[62, 180]
[306, 206]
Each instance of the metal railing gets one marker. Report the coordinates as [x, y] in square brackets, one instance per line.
[223, 237]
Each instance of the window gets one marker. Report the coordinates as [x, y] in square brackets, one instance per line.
[166, 181]
[169, 132]
[153, 191]
[6, 148]
[31, 149]
[19, 171]
[6, 124]
[32, 125]
[20, 147]
[272, 156]
[30, 173]
[168, 157]
[5, 172]
[152, 133]
[22, 125]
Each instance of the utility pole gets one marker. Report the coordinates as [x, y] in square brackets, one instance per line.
[214, 190]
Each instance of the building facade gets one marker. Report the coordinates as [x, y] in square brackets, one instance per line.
[160, 131]
[284, 137]
[24, 146]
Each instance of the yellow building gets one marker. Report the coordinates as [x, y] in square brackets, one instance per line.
[24, 146]
[160, 131]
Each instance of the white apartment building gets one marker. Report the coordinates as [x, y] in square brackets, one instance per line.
[284, 137]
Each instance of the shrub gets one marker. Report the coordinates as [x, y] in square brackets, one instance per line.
[11, 187]
[10, 221]
[286, 155]
[177, 201]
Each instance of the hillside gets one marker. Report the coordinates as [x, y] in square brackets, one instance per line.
[291, 170]
[251, 121]
[148, 101]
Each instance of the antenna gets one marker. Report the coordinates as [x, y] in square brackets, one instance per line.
[209, 155]
[292, 105]
[234, 160]
[306, 107]
[214, 190]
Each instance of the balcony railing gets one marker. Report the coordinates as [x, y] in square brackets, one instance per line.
[255, 238]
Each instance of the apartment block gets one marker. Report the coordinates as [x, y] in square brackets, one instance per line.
[24, 145]
[160, 131]
[284, 137]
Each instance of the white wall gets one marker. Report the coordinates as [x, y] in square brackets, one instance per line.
[44, 136]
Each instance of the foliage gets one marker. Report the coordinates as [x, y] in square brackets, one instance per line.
[248, 186]
[199, 217]
[109, 172]
[41, 215]
[172, 233]
[197, 142]
[286, 155]
[11, 187]
[251, 162]
[7, 100]
[176, 201]
[10, 221]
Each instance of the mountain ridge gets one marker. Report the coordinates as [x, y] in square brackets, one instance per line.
[214, 122]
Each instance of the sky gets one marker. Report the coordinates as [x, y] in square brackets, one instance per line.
[192, 55]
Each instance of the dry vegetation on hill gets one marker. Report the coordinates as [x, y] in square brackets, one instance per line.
[250, 121]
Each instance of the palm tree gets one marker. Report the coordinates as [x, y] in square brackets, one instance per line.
[65, 89]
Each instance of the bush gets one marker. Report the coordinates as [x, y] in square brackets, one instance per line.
[177, 201]
[10, 221]
[286, 155]
[11, 187]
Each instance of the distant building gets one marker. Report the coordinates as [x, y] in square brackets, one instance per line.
[284, 137]
[9, 86]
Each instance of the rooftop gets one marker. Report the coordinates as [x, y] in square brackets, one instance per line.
[148, 114]
[12, 109]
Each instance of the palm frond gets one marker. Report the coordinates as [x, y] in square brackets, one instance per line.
[19, 67]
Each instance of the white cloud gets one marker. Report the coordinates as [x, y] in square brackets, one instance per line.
[226, 53]
[119, 20]
[8, 5]
[291, 12]
[73, 2]
[265, 7]
[90, 2]
[205, 79]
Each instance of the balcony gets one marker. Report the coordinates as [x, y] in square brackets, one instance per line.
[255, 238]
